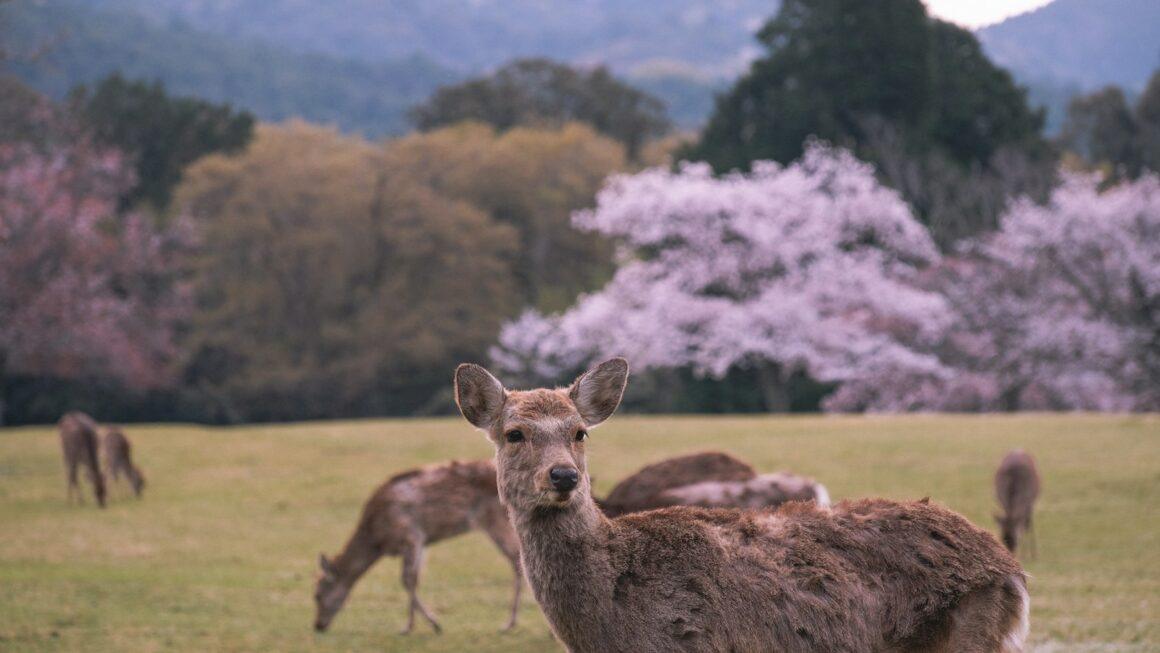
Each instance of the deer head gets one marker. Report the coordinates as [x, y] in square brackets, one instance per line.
[329, 594]
[540, 435]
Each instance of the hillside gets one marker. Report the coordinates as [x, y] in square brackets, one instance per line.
[682, 51]
[1073, 46]
[713, 37]
[77, 43]
[1089, 43]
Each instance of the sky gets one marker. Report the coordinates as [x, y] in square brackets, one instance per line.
[977, 13]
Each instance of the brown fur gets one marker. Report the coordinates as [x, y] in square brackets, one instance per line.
[1016, 488]
[78, 441]
[409, 511]
[119, 459]
[641, 490]
[865, 576]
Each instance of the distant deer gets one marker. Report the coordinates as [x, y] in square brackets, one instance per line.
[78, 441]
[408, 512]
[869, 575]
[119, 459]
[1016, 487]
[641, 490]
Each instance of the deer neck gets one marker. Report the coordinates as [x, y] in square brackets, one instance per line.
[356, 558]
[568, 564]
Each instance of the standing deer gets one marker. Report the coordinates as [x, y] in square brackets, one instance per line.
[641, 490]
[78, 441]
[1016, 487]
[408, 512]
[119, 459]
[869, 575]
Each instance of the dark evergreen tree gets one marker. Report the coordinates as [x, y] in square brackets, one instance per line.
[163, 134]
[914, 95]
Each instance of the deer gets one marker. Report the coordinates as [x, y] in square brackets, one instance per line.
[762, 491]
[119, 459]
[869, 575]
[1016, 488]
[78, 442]
[640, 491]
[409, 511]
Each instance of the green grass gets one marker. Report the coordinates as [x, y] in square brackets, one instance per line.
[220, 553]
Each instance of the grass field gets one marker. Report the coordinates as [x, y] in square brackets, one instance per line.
[221, 552]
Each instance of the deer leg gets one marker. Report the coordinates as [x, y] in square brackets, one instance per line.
[500, 532]
[74, 488]
[517, 587]
[990, 620]
[98, 481]
[412, 564]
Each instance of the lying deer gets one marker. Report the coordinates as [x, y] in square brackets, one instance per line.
[764, 491]
[1016, 487]
[866, 575]
[78, 441]
[641, 490]
[119, 459]
[408, 512]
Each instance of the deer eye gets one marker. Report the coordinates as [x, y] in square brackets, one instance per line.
[581, 435]
[514, 436]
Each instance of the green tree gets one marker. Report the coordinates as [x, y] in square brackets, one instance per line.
[327, 285]
[539, 92]
[162, 134]
[529, 178]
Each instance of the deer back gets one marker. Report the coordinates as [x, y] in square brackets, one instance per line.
[643, 489]
[431, 503]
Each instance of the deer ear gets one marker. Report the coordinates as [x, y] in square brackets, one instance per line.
[325, 564]
[480, 395]
[598, 391]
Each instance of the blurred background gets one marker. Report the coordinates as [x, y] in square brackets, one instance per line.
[238, 211]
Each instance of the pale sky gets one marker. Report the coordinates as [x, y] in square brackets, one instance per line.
[977, 13]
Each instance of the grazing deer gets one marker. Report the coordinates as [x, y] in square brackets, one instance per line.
[119, 459]
[78, 441]
[641, 490]
[408, 512]
[869, 575]
[1016, 487]
[764, 491]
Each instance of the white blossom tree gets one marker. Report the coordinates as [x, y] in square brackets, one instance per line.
[805, 267]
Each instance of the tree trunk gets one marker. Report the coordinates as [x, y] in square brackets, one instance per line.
[774, 390]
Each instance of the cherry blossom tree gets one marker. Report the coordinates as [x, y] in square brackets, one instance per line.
[1060, 309]
[84, 290]
[804, 267]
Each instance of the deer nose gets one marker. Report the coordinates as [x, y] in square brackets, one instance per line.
[564, 479]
